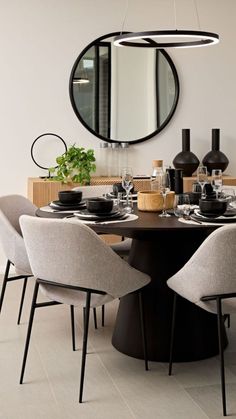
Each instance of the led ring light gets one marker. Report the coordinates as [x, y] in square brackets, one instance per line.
[199, 39]
[32, 154]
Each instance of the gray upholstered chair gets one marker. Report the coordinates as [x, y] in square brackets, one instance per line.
[11, 208]
[85, 271]
[209, 280]
[122, 248]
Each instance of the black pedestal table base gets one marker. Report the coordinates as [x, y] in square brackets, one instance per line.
[196, 329]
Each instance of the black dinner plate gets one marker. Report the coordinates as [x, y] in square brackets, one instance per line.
[62, 207]
[214, 219]
[86, 215]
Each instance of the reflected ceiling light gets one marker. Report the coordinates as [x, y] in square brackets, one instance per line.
[80, 80]
[167, 38]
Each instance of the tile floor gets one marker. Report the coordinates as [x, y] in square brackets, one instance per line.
[116, 386]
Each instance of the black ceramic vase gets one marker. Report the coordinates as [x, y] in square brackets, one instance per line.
[186, 160]
[215, 159]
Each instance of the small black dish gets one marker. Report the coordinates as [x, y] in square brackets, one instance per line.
[70, 197]
[194, 197]
[99, 205]
[212, 207]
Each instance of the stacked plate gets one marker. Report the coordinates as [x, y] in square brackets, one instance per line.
[228, 217]
[112, 215]
[61, 206]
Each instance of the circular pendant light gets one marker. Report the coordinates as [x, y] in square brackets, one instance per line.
[174, 39]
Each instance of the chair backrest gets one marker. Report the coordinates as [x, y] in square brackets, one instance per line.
[69, 252]
[11, 208]
[211, 270]
[94, 190]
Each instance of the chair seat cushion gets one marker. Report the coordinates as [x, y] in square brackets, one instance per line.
[122, 248]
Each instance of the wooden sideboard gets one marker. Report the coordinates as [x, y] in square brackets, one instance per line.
[43, 191]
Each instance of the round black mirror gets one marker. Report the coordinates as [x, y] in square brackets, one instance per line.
[123, 94]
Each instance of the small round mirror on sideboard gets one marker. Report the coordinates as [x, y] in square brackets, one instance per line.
[123, 94]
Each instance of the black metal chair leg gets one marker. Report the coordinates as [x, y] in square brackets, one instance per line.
[31, 318]
[84, 350]
[227, 318]
[103, 315]
[221, 350]
[72, 315]
[172, 334]
[143, 329]
[95, 317]
[5, 279]
[22, 299]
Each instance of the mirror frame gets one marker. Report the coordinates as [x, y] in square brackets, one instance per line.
[109, 140]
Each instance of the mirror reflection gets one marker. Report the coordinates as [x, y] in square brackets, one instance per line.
[123, 94]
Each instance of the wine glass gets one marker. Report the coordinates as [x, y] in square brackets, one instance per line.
[164, 182]
[216, 181]
[127, 183]
[202, 178]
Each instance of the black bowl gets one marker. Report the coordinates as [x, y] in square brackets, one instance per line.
[212, 207]
[117, 187]
[99, 205]
[70, 197]
[194, 197]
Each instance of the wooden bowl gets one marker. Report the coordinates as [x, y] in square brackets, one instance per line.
[153, 201]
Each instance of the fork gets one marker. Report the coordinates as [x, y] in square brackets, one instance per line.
[188, 217]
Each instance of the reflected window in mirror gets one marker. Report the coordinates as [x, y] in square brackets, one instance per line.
[123, 94]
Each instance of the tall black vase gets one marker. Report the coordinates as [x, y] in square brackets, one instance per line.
[215, 159]
[186, 160]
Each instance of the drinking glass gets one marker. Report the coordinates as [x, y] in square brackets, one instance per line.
[216, 180]
[229, 195]
[202, 178]
[182, 205]
[164, 181]
[127, 183]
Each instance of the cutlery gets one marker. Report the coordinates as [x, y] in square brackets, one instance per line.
[188, 217]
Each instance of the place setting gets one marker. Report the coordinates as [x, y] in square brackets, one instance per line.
[105, 209]
[216, 204]
[68, 201]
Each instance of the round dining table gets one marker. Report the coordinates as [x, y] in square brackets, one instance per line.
[160, 247]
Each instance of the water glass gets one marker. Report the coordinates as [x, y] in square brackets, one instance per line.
[229, 195]
[182, 205]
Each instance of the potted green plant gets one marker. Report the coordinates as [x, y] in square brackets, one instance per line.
[75, 165]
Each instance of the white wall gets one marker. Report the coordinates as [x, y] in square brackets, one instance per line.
[39, 42]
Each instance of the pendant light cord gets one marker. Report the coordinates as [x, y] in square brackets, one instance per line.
[125, 16]
[175, 16]
[197, 15]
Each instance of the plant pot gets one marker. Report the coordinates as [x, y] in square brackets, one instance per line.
[215, 159]
[186, 160]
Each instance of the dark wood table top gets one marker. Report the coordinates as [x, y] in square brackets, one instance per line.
[147, 224]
